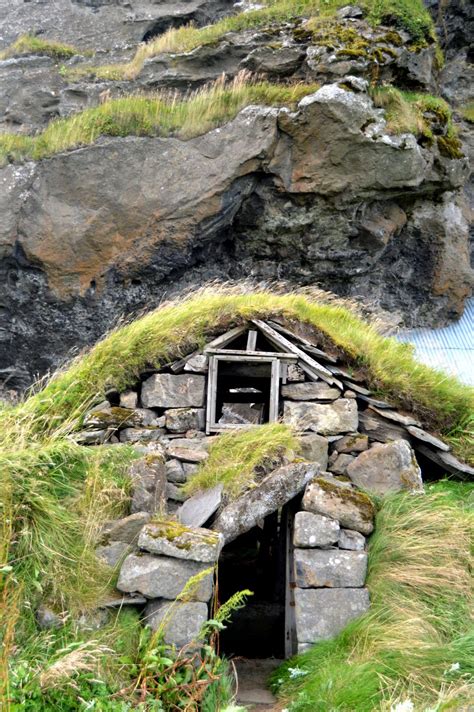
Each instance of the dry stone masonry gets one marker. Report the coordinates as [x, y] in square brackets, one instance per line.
[352, 446]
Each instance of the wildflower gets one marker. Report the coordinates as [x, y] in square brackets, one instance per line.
[406, 706]
[296, 672]
[454, 668]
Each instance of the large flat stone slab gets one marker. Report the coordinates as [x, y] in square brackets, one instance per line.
[179, 622]
[386, 468]
[353, 510]
[340, 416]
[278, 488]
[174, 539]
[312, 530]
[322, 613]
[200, 507]
[311, 390]
[316, 568]
[126, 529]
[162, 577]
[165, 390]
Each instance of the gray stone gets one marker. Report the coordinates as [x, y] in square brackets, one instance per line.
[187, 454]
[93, 620]
[129, 399]
[420, 434]
[340, 463]
[171, 538]
[141, 435]
[163, 577]
[387, 468]
[92, 437]
[278, 488]
[47, 619]
[149, 484]
[323, 613]
[199, 363]
[126, 529]
[314, 530]
[350, 539]
[241, 414]
[323, 418]
[164, 390]
[149, 418]
[119, 601]
[311, 390]
[314, 448]
[333, 568]
[355, 442]
[200, 507]
[353, 510]
[179, 622]
[190, 469]
[175, 492]
[294, 373]
[113, 553]
[179, 420]
[175, 472]
[114, 417]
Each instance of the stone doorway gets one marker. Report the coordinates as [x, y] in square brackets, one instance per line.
[255, 561]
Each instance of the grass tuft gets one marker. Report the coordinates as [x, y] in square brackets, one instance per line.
[30, 44]
[467, 112]
[157, 115]
[239, 458]
[416, 643]
[410, 15]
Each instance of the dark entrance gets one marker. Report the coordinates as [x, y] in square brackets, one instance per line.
[255, 560]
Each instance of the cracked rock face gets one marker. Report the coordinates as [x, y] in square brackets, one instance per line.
[83, 239]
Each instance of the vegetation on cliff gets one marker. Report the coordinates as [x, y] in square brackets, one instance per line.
[157, 115]
[30, 44]
[415, 647]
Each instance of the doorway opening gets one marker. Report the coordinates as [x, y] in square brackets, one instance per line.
[255, 561]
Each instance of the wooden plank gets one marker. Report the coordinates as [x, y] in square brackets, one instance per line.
[283, 342]
[252, 340]
[211, 394]
[274, 391]
[247, 355]
[286, 528]
[284, 372]
[225, 339]
[304, 342]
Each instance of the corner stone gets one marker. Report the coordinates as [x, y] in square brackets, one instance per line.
[353, 510]
[322, 613]
[330, 569]
[314, 530]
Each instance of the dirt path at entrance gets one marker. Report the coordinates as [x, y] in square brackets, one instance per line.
[252, 689]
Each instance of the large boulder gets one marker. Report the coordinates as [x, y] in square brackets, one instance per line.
[278, 488]
[165, 390]
[163, 577]
[330, 568]
[322, 613]
[323, 418]
[353, 510]
[179, 622]
[386, 468]
[311, 390]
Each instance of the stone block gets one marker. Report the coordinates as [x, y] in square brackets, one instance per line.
[165, 390]
[188, 449]
[323, 613]
[241, 414]
[179, 420]
[310, 390]
[199, 363]
[141, 435]
[175, 472]
[148, 484]
[312, 530]
[126, 529]
[332, 568]
[350, 539]
[162, 577]
[340, 463]
[129, 399]
[180, 622]
[314, 448]
[353, 510]
[112, 554]
[387, 468]
[355, 442]
[340, 416]
[278, 488]
[175, 492]
[200, 507]
[173, 539]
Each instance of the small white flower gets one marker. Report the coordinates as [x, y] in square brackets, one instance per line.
[406, 706]
[454, 668]
[296, 672]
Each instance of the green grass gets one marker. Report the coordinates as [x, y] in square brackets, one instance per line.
[407, 14]
[239, 458]
[419, 624]
[30, 44]
[180, 326]
[467, 112]
[158, 115]
[420, 114]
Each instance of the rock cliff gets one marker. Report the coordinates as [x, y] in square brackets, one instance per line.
[323, 192]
